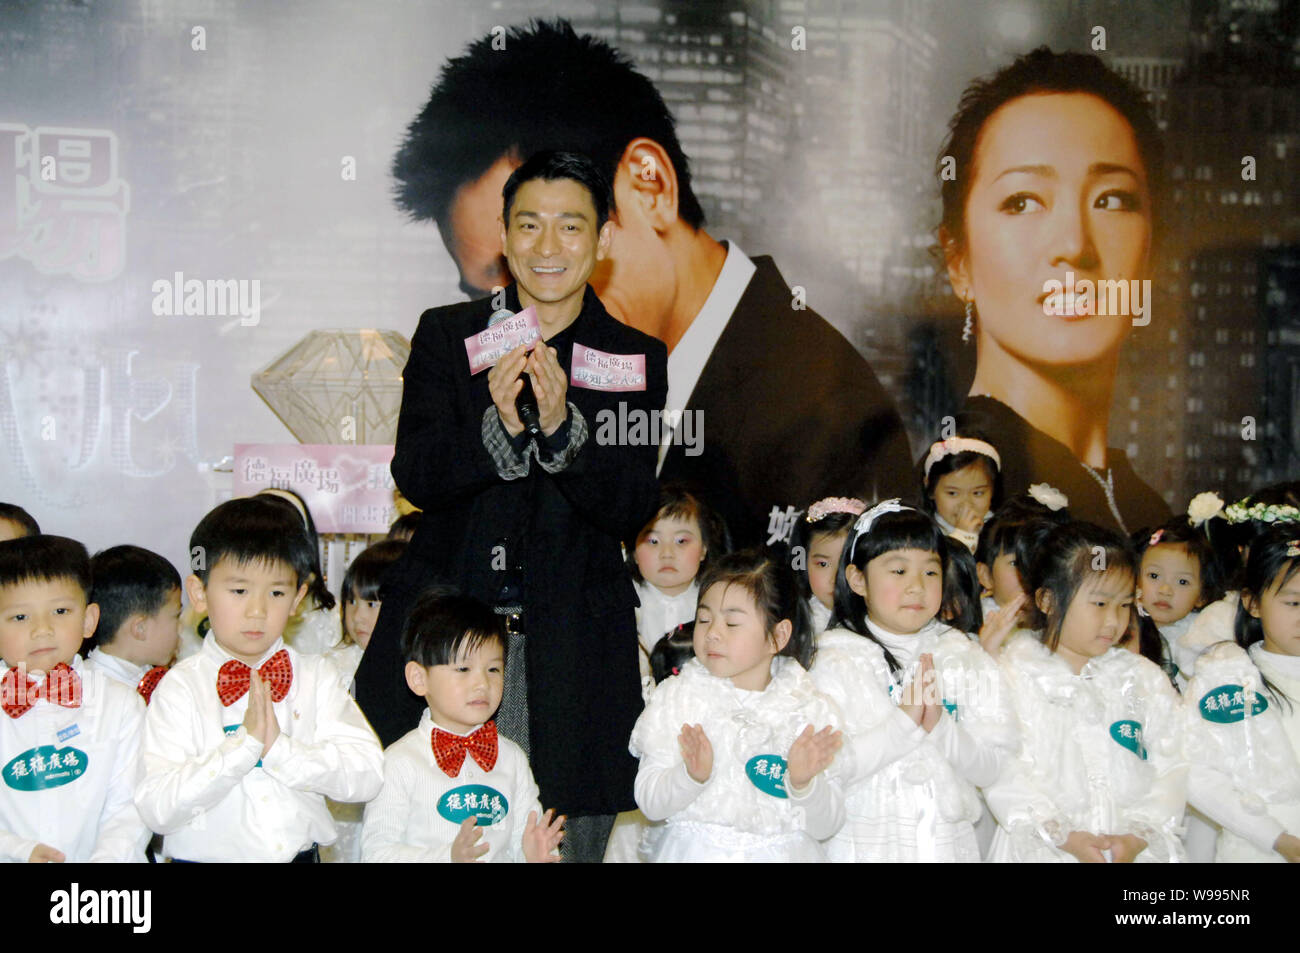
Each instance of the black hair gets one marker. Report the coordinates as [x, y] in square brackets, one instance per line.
[908, 529]
[672, 651]
[1179, 532]
[535, 87]
[682, 501]
[1268, 568]
[771, 584]
[252, 529]
[1151, 644]
[961, 606]
[1233, 540]
[960, 460]
[443, 622]
[551, 166]
[44, 558]
[404, 527]
[16, 514]
[365, 574]
[1037, 72]
[128, 580]
[1017, 527]
[1068, 555]
[832, 524]
[317, 590]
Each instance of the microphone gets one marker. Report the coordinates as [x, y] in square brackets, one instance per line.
[526, 402]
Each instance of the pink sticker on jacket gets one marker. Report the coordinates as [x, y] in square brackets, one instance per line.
[596, 370]
[493, 343]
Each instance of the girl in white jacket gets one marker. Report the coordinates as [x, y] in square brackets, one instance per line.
[1100, 774]
[730, 753]
[927, 716]
[1243, 722]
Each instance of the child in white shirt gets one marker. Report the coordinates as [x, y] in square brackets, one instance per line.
[1101, 774]
[730, 754]
[925, 708]
[244, 741]
[139, 597]
[961, 483]
[454, 790]
[671, 551]
[815, 548]
[1243, 719]
[68, 734]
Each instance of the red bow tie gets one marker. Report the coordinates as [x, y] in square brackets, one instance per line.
[449, 750]
[150, 681]
[232, 678]
[62, 686]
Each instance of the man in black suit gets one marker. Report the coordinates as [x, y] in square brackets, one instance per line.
[790, 411]
[531, 520]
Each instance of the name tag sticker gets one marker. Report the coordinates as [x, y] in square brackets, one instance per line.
[491, 344]
[767, 773]
[38, 769]
[1128, 734]
[1227, 704]
[69, 732]
[596, 370]
[488, 805]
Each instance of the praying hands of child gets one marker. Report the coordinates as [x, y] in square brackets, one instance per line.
[967, 518]
[1124, 848]
[920, 697]
[696, 752]
[1087, 847]
[540, 840]
[999, 624]
[811, 754]
[259, 718]
[45, 854]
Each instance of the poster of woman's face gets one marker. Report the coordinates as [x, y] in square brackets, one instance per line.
[1066, 228]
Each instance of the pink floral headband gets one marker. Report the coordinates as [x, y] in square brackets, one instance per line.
[944, 448]
[835, 504]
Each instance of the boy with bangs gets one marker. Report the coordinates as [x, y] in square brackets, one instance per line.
[68, 734]
[245, 740]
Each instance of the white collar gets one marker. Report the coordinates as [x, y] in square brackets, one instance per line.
[76, 664]
[213, 649]
[692, 352]
[688, 595]
[1288, 666]
[905, 648]
[427, 724]
[130, 671]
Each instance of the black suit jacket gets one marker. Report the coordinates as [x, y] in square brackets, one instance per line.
[564, 530]
[791, 413]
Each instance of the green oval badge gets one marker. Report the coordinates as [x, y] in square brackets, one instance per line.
[1129, 735]
[474, 800]
[767, 773]
[38, 769]
[1226, 704]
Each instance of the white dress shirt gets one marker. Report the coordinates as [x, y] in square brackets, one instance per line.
[120, 670]
[207, 785]
[69, 774]
[692, 352]
[408, 822]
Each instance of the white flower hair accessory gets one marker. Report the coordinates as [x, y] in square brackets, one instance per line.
[1049, 496]
[1261, 513]
[944, 448]
[865, 521]
[834, 504]
[1292, 548]
[1203, 507]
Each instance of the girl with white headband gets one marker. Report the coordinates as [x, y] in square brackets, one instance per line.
[927, 719]
[961, 484]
